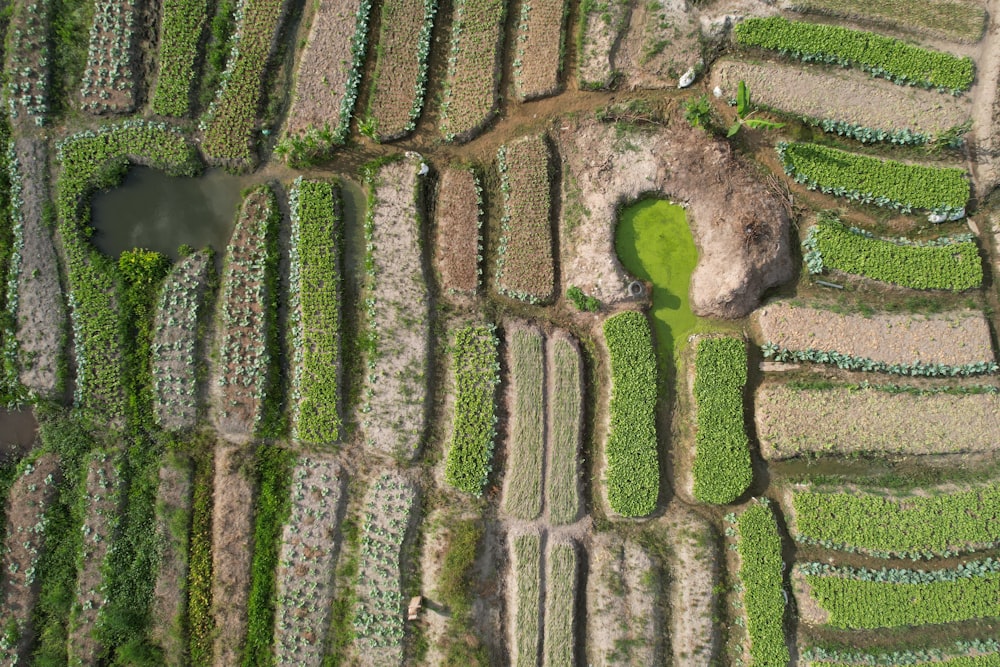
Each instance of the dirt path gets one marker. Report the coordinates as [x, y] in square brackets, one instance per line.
[984, 142]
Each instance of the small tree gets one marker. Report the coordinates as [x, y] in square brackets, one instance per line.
[743, 114]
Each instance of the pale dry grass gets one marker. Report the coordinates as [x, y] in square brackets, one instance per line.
[526, 570]
[560, 605]
[522, 497]
[565, 404]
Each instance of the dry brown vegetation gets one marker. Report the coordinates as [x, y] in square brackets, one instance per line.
[457, 246]
[538, 48]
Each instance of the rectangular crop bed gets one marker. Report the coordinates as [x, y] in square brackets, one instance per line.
[538, 48]
[109, 79]
[182, 30]
[565, 428]
[458, 249]
[522, 494]
[526, 584]
[761, 573]
[26, 62]
[954, 20]
[560, 605]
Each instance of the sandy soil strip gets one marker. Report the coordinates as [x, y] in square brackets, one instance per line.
[860, 99]
[694, 570]
[40, 309]
[232, 549]
[792, 422]
[30, 496]
[457, 244]
[956, 338]
[538, 48]
[173, 520]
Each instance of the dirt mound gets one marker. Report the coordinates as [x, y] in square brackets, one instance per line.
[740, 227]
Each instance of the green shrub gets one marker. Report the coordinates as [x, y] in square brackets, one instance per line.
[583, 301]
[761, 570]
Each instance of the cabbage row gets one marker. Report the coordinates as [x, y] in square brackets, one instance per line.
[109, 79]
[722, 467]
[477, 374]
[182, 25]
[761, 570]
[949, 266]
[914, 527]
[869, 180]
[633, 472]
[315, 305]
[852, 363]
[879, 55]
[27, 61]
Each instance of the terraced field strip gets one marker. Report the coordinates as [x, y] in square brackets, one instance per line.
[525, 607]
[955, 20]
[954, 339]
[109, 78]
[602, 25]
[26, 62]
[538, 48]
[246, 316]
[522, 494]
[182, 29]
[852, 420]
[393, 412]
[100, 520]
[327, 78]
[949, 263]
[525, 263]
[761, 568]
[864, 108]
[458, 245]
[315, 305]
[176, 352]
[232, 531]
[858, 598]
[471, 87]
[230, 123]
[974, 653]
[31, 495]
[309, 546]
[561, 581]
[942, 524]
[378, 617]
[400, 79]
[565, 428]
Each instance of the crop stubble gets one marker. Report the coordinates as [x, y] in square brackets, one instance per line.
[525, 616]
[522, 497]
[457, 242]
[560, 604]
[565, 428]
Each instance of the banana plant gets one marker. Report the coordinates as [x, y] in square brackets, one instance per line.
[743, 114]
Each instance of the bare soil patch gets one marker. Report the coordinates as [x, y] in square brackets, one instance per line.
[602, 30]
[740, 226]
[457, 245]
[694, 572]
[660, 45]
[173, 519]
[809, 610]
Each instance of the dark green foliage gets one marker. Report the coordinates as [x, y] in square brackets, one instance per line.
[582, 301]
[183, 25]
[761, 573]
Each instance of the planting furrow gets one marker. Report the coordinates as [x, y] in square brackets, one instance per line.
[230, 124]
[565, 429]
[30, 497]
[327, 79]
[99, 524]
[109, 78]
[471, 87]
[854, 420]
[232, 531]
[601, 27]
[393, 402]
[36, 297]
[309, 546]
[176, 352]
[525, 263]
[560, 605]
[182, 29]
[400, 79]
[315, 304]
[953, 20]
[458, 246]
[538, 48]
[525, 603]
[26, 62]
[244, 376]
[390, 508]
[761, 568]
[522, 494]
[694, 576]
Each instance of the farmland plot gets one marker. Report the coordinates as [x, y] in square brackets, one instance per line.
[30, 496]
[393, 411]
[865, 108]
[109, 79]
[327, 77]
[378, 617]
[471, 87]
[956, 339]
[660, 45]
[176, 353]
[522, 496]
[309, 547]
[538, 48]
[246, 315]
[98, 527]
[846, 420]
[525, 263]
[27, 62]
[560, 605]
[565, 428]
[525, 605]
[458, 249]
[693, 566]
[182, 28]
[600, 30]
[400, 78]
[761, 568]
[953, 20]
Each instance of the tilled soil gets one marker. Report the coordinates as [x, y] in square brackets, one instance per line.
[694, 570]
[661, 44]
[457, 238]
[539, 43]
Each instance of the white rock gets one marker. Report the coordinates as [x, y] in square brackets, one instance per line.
[424, 169]
[937, 217]
[687, 79]
[717, 91]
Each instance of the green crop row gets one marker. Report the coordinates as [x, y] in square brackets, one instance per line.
[879, 55]
[200, 622]
[477, 374]
[109, 78]
[952, 266]
[182, 26]
[889, 598]
[27, 67]
[92, 160]
[12, 392]
[315, 310]
[229, 124]
[852, 363]
[869, 180]
[722, 467]
[761, 569]
[974, 653]
[633, 467]
[910, 527]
